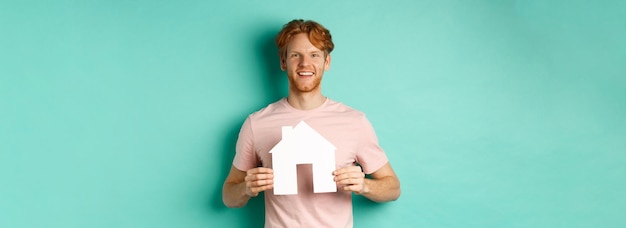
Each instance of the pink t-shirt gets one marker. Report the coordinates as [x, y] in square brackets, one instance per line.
[346, 128]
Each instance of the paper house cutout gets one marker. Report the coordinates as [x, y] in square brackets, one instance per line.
[302, 145]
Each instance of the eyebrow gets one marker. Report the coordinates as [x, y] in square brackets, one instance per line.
[305, 52]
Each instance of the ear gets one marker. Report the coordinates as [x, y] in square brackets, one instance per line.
[327, 62]
[283, 65]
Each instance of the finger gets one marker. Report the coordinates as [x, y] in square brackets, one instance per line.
[350, 181]
[348, 169]
[252, 194]
[260, 183]
[253, 177]
[256, 190]
[353, 188]
[260, 170]
[350, 175]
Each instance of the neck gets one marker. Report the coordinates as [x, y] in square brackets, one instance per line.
[305, 101]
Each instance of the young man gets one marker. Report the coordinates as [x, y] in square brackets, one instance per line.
[304, 49]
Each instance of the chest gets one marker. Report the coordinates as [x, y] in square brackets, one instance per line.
[343, 135]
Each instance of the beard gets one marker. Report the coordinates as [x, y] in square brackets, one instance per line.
[305, 86]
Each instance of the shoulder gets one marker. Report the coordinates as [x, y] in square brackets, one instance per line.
[268, 110]
[345, 110]
[354, 117]
[341, 107]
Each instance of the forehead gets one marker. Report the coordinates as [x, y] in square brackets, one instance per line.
[301, 43]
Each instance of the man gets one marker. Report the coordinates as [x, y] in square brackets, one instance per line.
[304, 49]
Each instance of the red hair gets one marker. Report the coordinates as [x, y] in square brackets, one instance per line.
[318, 35]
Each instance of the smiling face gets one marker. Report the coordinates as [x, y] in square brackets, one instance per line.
[305, 65]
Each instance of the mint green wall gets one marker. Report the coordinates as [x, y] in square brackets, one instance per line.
[493, 113]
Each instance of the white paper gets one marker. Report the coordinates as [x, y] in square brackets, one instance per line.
[302, 145]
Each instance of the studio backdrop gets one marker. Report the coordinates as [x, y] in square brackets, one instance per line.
[493, 113]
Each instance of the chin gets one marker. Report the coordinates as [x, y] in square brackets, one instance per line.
[307, 89]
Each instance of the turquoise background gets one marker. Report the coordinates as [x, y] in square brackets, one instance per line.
[493, 113]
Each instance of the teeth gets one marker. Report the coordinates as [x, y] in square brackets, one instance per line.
[305, 73]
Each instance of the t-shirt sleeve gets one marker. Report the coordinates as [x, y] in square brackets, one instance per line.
[245, 156]
[370, 155]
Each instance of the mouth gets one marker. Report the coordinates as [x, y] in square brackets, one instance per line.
[305, 73]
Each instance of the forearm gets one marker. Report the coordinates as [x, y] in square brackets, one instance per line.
[381, 190]
[234, 194]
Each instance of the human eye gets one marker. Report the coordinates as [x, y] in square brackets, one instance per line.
[315, 55]
[295, 55]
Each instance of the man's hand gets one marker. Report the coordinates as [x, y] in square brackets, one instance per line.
[258, 180]
[351, 178]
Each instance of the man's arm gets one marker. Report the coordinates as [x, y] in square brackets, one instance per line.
[239, 186]
[383, 185]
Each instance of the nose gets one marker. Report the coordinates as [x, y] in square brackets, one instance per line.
[304, 61]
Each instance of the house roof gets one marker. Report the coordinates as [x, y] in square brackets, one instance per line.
[303, 138]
